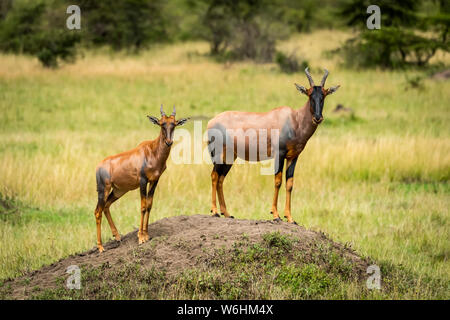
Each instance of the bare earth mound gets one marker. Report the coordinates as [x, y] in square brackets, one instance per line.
[200, 256]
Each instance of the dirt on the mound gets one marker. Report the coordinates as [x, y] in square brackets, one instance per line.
[180, 243]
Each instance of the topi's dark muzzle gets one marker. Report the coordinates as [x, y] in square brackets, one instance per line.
[317, 119]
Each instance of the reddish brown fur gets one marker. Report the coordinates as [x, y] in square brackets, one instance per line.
[300, 124]
[126, 171]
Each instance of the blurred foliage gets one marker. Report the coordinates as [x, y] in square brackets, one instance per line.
[5, 6]
[123, 24]
[244, 29]
[411, 33]
[250, 29]
[289, 63]
[31, 28]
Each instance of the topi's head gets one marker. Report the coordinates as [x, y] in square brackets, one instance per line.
[316, 95]
[167, 124]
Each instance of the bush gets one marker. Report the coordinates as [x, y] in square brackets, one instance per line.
[23, 31]
[390, 48]
[289, 63]
[5, 6]
[252, 41]
[406, 37]
[56, 45]
[124, 24]
[243, 29]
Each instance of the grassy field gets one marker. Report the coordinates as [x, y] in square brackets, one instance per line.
[378, 179]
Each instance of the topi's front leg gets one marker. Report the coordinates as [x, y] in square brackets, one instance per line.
[274, 210]
[278, 182]
[143, 193]
[149, 203]
[289, 185]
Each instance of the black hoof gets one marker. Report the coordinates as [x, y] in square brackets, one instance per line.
[295, 223]
[277, 220]
[231, 217]
[285, 217]
[216, 215]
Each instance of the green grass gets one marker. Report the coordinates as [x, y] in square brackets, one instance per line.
[378, 179]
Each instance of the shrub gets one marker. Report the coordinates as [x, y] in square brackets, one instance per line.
[243, 29]
[406, 37]
[125, 24]
[289, 63]
[23, 31]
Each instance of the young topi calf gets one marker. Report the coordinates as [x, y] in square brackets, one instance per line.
[139, 167]
[294, 128]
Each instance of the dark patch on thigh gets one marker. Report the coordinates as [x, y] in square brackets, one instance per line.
[143, 180]
[222, 169]
[151, 192]
[142, 171]
[102, 176]
[287, 134]
[217, 139]
[290, 170]
[279, 161]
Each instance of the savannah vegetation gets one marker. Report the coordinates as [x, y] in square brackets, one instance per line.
[376, 177]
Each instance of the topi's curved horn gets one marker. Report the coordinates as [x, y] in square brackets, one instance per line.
[174, 111]
[308, 75]
[324, 78]
[162, 111]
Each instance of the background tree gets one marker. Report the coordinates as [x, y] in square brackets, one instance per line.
[29, 28]
[242, 29]
[123, 24]
[409, 35]
[5, 6]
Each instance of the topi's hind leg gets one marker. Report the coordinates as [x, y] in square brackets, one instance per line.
[214, 181]
[98, 219]
[214, 175]
[113, 196]
[103, 191]
[222, 170]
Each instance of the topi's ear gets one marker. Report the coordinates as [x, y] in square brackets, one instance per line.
[154, 120]
[302, 89]
[333, 89]
[182, 121]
